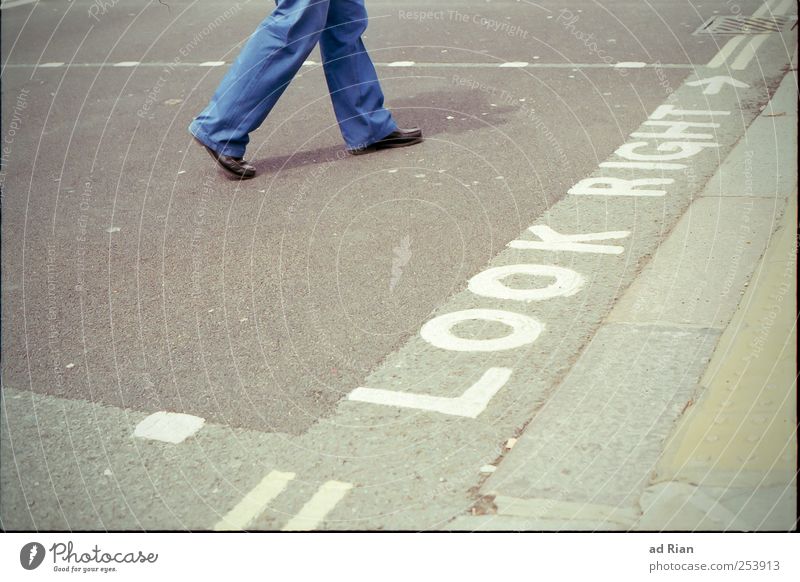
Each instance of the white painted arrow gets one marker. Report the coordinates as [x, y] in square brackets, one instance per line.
[717, 83]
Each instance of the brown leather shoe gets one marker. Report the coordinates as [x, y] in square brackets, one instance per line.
[236, 166]
[399, 138]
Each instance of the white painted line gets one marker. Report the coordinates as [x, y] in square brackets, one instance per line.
[401, 64]
[470, 404]
[126, 64]
[780, 7]
[212, 64]
[725, 52]
[16, 3]
[52, 65]
[513, 64]
[630, 65]
[314, 511]
[715, 84]
[255, 502]
[748, 52]
[168, 427]
[644, 165]
[309, 63]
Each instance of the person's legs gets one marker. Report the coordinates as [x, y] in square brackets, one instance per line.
[352, 81]
[260, 74]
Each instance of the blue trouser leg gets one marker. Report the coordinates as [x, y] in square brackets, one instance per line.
[272, 56]
[260, 74]
[352, 81]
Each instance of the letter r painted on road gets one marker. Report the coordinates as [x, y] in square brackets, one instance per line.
[576, 243]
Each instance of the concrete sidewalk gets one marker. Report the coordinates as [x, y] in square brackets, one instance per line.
[680, 413]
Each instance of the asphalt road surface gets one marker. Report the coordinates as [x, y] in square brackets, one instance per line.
[137, 278]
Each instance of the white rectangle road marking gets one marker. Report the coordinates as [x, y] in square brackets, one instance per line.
[319, 506]
[168, 427]
[748, 52]
[725, 52]
[255, 502]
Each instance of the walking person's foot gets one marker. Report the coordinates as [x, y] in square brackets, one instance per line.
[234, 166]
[399, 138]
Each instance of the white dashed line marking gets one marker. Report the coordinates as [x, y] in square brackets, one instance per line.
[212, 64]
[401, 64]
[315, 510]
[630, 65]
[52, 65]
[168, 427]
[514, 64]
[126, 64]
[255, 502]
[748, 52]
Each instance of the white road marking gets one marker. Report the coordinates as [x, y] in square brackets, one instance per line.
[675, 130]
[748, 52]
[168, 427]
[255, 502]
[401, 64]
[715, 84]
[604, 186]
[680, 150]
[126, 64]
[666, 109]
[211, 64]
[317, 508]
[488, 283]
[15, 3]
[765, 9]
[644, 165]
[630, 65]
[52, 65]
[576, 243]
[725, 52]
[437, 331]
[470, 404]
[513, 64]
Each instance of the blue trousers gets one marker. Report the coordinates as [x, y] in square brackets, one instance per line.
[272, 56]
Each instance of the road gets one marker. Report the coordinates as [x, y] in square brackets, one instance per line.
[137, 279]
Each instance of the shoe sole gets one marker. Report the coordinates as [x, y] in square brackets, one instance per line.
[214, 157]
[386, 146]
